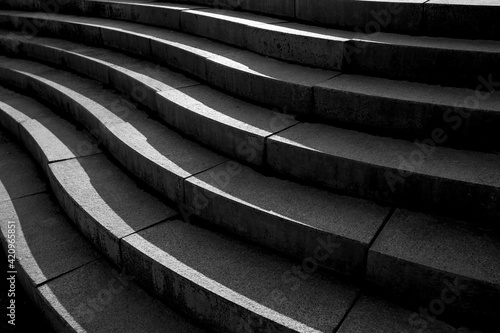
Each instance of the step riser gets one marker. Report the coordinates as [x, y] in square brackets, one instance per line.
[381, 267]
[295, 239]
[191, 298]
[433, 18]
[279, 233]
[468, 123]
[455, 67]
[473, 125]
[386, 185]
[214, 305]
[394, 186]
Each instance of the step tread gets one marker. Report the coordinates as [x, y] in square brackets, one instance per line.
[104, 194]
[17, 166]
[441, 244]
[69, 283]
[343, 216]
[374, 315]
[128, 307]
[46, 244]
[446, 163]
[265, 22]
[215, 261]
[166, 147]
[411, 91]
[332, 99]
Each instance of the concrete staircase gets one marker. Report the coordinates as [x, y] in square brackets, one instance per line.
[252, 167]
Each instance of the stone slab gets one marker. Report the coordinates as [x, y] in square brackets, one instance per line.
[178, 260]
[371, 15]
[19, 176]
[286, 216]
[104, 203]
[454, 182]
[374, 315]
[426, 258]
[47, 246]
[222, 122]
[97, 298]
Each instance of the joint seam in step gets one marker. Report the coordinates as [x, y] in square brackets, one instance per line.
[69, 271]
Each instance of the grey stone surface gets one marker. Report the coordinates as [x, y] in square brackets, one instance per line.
[374, 315]
[286, 216]
[143, 11]
[96, 298]
[184, 52]
[19, 176]
[284, 86]
[54, 139]
[460, 183]
[463, 18]
[222, 122]
[411, 109]
[308, 45]
[429, 258]
[154, 153]
[104, 203]
[399, 15]
[46, 244]
[178, 260]
[453, 62]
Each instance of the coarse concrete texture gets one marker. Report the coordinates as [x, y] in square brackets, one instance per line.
[166, 15]
[213, 276]
[266, 36]
[104, 203]
[19, 176]
[294, 219]
[244, 126]
[140, 79]
[221, 122]
[413, 110]
[449, 264]
[463, 18]
[54, 139]
[366, 16]
[97, 298]
[152, 152]
[374, 315]
[47, 246]
[289, 88]
[460, 183]
[283, 8]
[445, 61]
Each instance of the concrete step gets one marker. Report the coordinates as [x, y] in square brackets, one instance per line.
[67, 279]
[376, 168]
[460, 183]
[169, 164]
[189, 276]
[224, 278]
[81, 177]
[434, 60]
[445, 264]
[445, 18]
[285, 86]
[380, 106]
[309, 45]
